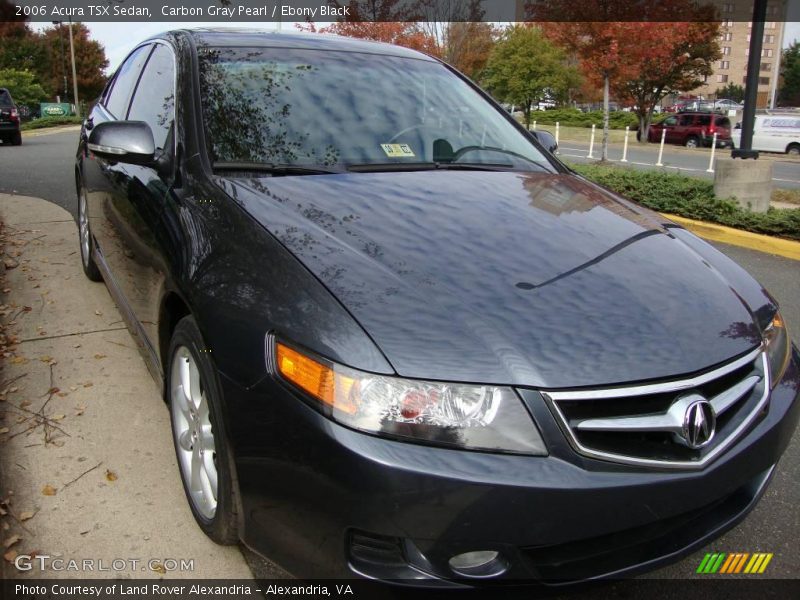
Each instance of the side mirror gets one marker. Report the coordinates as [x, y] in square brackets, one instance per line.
[546, 139]
[123, 141]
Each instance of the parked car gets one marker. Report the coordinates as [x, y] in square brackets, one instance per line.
[693, 129]
[774, 133]
[9, 119]
[406, 343]
[723, 105]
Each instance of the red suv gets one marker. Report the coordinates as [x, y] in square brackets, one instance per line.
[693, 129]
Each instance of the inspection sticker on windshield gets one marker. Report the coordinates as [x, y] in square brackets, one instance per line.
[397, 150]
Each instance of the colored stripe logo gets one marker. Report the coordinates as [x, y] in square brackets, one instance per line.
[735, 562]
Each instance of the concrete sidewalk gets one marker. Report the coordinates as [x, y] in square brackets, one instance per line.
[88, 450]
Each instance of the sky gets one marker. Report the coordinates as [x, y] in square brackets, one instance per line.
[120, 38]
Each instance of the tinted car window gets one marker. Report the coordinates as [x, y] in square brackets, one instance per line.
[704, 120]
[685, 120]
[125, 81]
[154, 99]
[5, 99]
[309, 107]
[722, 122]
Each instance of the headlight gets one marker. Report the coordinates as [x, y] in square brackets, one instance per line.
[477, 417]
[776, 340]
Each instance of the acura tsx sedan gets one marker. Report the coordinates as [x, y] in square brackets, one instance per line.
[399, 339]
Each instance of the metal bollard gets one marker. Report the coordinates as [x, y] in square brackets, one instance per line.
[556, 133]
[710, 168]
[625, 145]
[591, 143]
[534, 125]
[661, 148]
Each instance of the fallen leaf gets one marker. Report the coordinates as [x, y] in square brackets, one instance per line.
[10, 264]
[53, 390]
[24, 403]
[3, 429]
[56, 417]
[11, 541]
[99, 356]
[49, 490]
[158, 568]
[10, 555]
[77, 346]
[19, 360]
[88, 384]
[25, 515]
[98, 313]
[110, 475]
[13, 389]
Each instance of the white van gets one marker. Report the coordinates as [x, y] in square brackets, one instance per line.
[773, 133]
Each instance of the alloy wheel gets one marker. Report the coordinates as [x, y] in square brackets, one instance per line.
[194, 435]
[83, 225]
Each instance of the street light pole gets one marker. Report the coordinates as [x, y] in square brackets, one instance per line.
[74, 74]
[63, 58]
[745, 149]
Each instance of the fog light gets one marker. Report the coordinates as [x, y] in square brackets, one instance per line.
[479, 563]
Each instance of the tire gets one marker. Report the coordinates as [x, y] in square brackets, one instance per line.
[195, 407]
[793, 150]
[692, 142]
[85, 239]
[16, 139]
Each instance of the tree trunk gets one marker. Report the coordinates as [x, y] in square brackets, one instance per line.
[527, 113]
[604, 154]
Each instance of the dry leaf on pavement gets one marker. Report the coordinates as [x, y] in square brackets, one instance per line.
[49, 490]
[10, 555]
[11, 541]
[110, 475]
[25, 515]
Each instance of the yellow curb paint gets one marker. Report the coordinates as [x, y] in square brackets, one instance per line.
[737, 237]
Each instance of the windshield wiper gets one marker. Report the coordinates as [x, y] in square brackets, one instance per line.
[273, 169]
[427, 166]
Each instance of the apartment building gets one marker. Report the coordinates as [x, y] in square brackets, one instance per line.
[734, 41]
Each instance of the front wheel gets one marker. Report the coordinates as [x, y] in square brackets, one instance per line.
[793, 150]
[198, 433]
[86, 241]
[692, 142]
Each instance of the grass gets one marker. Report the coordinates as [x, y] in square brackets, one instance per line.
[788, 196]
[45, 122]
[691, 197]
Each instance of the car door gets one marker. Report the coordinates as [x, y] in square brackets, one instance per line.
[668, 124]
[678, 133]
[138, 197]
[100, 177]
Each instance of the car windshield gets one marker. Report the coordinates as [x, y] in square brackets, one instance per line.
[335, 110]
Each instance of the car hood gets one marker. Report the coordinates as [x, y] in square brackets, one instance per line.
[542, 280]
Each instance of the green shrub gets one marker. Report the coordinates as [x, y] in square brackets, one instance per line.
[50, 122]
[690, 197]
[572, 117]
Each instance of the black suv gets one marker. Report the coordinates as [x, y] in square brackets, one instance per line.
[9, 120]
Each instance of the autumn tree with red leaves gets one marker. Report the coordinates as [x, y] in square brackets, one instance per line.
[633, 49]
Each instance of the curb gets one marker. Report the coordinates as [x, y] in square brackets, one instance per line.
[51, 130]
[736, 237]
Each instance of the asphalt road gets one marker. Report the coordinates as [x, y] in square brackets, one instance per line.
[43, 167]
[785, 171]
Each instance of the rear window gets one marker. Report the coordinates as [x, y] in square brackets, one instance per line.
[704, 120]
[5, 98]
[723, 122]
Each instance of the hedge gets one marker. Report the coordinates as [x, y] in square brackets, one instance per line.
[50, 122]
[572, 117]
[691, 197]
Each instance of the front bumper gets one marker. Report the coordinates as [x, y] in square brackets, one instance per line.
[326, 501]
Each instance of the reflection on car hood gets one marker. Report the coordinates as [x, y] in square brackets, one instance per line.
[530, 279]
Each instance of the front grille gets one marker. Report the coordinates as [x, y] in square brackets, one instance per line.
[657, 424]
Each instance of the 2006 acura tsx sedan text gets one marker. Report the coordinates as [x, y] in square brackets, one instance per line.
[399, 339]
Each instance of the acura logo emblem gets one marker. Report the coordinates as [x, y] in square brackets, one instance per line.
[699, 424]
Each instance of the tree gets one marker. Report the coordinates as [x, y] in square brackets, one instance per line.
[524, 67]
[634, 49]
[789, 93]
[468, 45]
[732, 92]
[90, 61]
[23, 86]
[19, 48]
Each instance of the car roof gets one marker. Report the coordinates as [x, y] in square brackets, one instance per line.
[278, 39]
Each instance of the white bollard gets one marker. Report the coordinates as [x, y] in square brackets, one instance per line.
[534, 125]
[556, 133]
[625, 145]
[661, 148]
[710, 168]
[591, 144]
